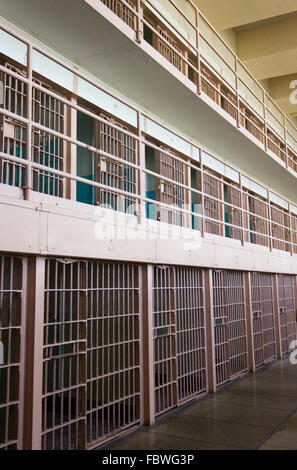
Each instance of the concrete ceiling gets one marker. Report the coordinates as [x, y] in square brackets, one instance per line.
[264, 36]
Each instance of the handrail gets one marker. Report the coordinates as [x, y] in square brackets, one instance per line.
[264, 101]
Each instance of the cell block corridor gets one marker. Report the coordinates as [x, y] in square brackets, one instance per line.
[78, 339]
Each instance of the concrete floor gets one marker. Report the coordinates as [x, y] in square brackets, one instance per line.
[258, 411]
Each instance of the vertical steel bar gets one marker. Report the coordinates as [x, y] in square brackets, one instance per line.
[148, 414]
[210, 340]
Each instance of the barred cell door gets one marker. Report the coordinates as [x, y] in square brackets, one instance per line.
[13, 138]
[170, 193]
[212, 208]
[230, 334]
[165, 343]
[257, 223]
[263, 318]
[287, 313]
[12, 336]
[232, 195]
[179, 336]
[116, 174]
[48, 149]
[91, 361]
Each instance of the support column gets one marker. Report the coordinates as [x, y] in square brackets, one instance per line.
[210, 340]
[71, 151]
[148, 399]
[249, 322]
[34, 354]
[277, 318]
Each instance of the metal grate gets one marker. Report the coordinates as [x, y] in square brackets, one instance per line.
[258, 224]
[113, 350]
[165, 347]
[230, 335]
[64, 356]
[263, 318]
[179, 336]
[113, 173]
[287, 314]
[47, 148]
[190, 333]
[212, 208]
[11, 323]
[233, 216]
[91, 364]
[280, 228]
[13, 133]
[121, 10]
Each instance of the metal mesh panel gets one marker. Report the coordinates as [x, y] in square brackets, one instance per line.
[258, 212]
[286, 310]
[122, 11]
[64, 356]
[170, 193]
[48, 149]
[167, 51]
[229, 104]
[11, 285]
[179, 336]
[212, 208]
[229, 325]
[232, 214]
[91, 365]
[13, 135]
[113, 350]
[294, 232]
[190, 333]
[164, 324]
[114, 173]
[207, 80]
[280, 226]
[263, 318]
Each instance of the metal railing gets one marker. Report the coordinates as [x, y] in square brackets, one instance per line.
[194, 47]
[171, 188]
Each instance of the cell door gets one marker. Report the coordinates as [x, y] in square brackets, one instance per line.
[257, 223]
[287, 313]
[212, 208]
[280, 227]
[48, 149]
[263, 318]
[230, 334]
[179, 336]
[12, 336]
[233, 214]
[168, 192]
[13, 133]
[114, 173]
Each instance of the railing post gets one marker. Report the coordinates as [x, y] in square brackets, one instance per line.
[199, 84]
[277, 318]
[71, 161]
[142, 175]
[139, 31]
[237, 92]
[210, 340]
[29, 178]
[265, 122]
[249, 322]
[34, 354]
[148, 414]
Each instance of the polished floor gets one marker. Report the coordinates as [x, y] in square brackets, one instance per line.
[258, 411]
